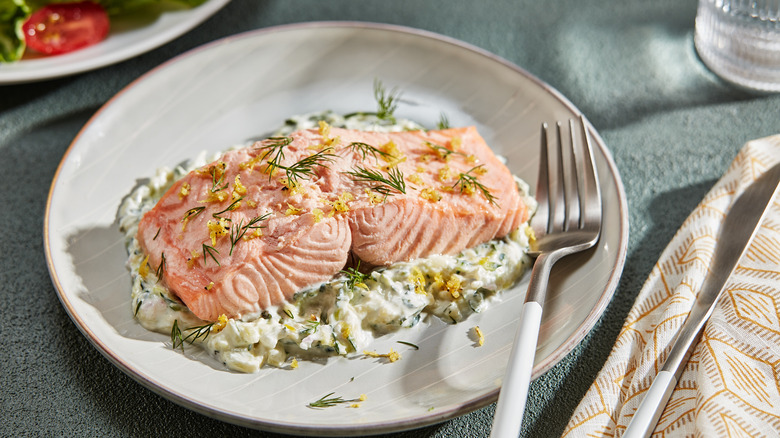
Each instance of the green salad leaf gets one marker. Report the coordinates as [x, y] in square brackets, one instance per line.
[13, 13]
[115, 7]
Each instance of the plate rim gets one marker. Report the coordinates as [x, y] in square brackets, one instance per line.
[400, 424]
[199, 14]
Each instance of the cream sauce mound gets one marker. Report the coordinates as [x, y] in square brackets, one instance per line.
[341, 316]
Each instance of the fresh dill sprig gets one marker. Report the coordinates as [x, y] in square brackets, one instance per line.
[201, 331]
[354, 277]
[198, 332]
[365, 149]
[394, 181]
[274, 148]
[442, 151]
[216, 183]
[233, 205]
[386, 102]
[469, 183]
[210, 250]
[161, 267]
[409, 344]
[311, 327]
[444, 123]
[239, 230]
[191, 213]
[305, 166]
[176, 337]
[327, 401]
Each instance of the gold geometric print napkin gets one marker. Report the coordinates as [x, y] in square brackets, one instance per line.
[731, 385]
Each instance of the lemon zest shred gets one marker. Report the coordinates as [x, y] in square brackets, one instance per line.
[456, 143]
[418, 280]
[480, 336]
[194, 255]
[373, 197]
[184, 190]
[143, 269]
[446, 174]
[293, 211]
[415, 178]
[218, 228]
[391, 356]
[430, 194]
[453, 286]
[239, 189]
[220, 324]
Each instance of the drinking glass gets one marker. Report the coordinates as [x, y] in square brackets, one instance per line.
[739, 40]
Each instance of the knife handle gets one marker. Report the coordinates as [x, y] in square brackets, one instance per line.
[646, 416]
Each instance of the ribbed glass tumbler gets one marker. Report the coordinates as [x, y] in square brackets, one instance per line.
[739, 40]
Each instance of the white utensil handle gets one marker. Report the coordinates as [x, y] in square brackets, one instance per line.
[646, 416]
[511, 402]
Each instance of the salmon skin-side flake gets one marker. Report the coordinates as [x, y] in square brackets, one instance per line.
[252, 228]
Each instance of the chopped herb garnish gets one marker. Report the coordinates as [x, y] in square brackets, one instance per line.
[444, 123]
[198, 332]
[351, 343]
[216, 181]
[157, 233]
[274, 148]
[239, 230]
[386, 102]
[137, 307]
[304, 168]
[327, 401]
[354, 277]
[289, 313]
[210, 250]
[394, 181]
[176, 338]
[469, 183]
[192, 213]
[161, 267]
[233, 205]
[409, 344]
[365, 149]
[311, 327]
[442, 151]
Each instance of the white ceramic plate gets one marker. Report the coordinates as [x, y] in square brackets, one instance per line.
[245, 86]
[130, 35]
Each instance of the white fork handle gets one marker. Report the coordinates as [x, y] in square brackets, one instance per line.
[514, 389]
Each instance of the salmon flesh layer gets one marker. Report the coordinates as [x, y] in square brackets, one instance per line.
[249, 230]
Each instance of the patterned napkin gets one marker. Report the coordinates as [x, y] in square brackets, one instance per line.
[731, 384]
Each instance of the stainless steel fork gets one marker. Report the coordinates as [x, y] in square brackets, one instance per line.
[567, 220]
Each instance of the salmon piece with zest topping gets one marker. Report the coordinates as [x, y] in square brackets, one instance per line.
[311, 229]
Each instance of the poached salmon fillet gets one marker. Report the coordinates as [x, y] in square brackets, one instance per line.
[249, 230]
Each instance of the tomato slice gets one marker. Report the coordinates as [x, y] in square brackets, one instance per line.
[65, 27]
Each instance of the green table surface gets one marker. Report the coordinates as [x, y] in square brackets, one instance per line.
[630, 66]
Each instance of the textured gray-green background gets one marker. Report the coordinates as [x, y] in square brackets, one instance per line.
[628, 65]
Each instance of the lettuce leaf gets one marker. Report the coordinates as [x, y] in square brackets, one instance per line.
[115, 7]
[13, 13]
